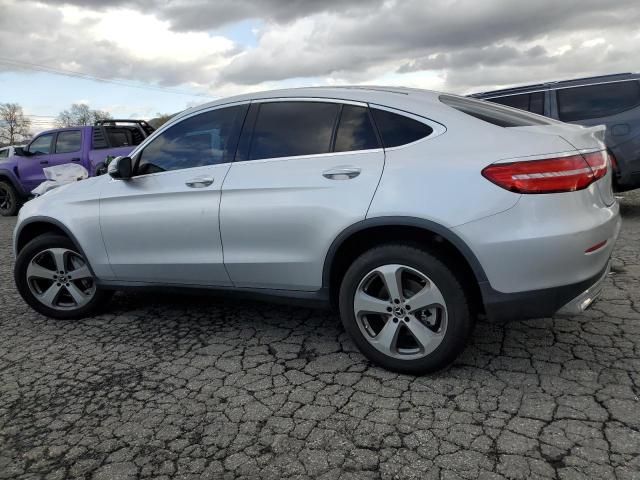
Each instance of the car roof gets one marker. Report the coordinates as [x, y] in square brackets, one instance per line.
[383, 95]
[615, 77]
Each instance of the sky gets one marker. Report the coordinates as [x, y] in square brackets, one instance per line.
[138, 58]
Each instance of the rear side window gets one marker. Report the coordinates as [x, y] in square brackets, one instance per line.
[68, 142]
[397, 130]
[355, 131]
[531, 102]
[4, 152]
[286, 129]
[492, 113]
[205, 139]
[595, 101]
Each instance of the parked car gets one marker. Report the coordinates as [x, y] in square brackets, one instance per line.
[611, 100]
[410, 211]
[89, 146]
[9, 151]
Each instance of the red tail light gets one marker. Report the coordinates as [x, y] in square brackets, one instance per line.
[550, 175]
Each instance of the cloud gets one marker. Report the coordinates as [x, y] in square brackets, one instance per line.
[436, 35]
[459, 45]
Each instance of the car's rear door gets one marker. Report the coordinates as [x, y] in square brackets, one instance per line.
[305, 170]
[161, 226]
[67, 148]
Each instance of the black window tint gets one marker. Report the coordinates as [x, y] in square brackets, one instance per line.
[595, 101]
[515, 101]
[397, 129]
[68, 142]
[531, 102]
[536, 103]
[355, 131]
[42, 144]
[205, 139]
[494, 114]
[285, 129]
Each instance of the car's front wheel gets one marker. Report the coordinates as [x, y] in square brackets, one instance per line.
[405, 309]
[54, 278]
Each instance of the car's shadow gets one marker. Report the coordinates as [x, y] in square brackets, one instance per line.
[517, 346]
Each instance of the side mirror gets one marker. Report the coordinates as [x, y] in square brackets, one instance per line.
[20, 152]
[120, 168]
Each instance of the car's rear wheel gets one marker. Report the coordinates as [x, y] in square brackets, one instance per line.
[8, 200]
[54, 278]
[405, 309]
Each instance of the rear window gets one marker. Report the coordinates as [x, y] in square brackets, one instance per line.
[397, 130]
[494, 114]
[593, 101]
[68, 142]
[355, 131]
[531, 102]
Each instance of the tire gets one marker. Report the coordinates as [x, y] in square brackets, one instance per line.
[9, 201]
[60, 296]
[389, 338]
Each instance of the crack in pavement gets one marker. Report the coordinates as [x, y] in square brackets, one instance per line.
[172, 386]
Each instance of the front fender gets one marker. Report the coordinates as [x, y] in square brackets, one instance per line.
[7, 173]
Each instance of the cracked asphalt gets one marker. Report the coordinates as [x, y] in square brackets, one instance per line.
[187, 387]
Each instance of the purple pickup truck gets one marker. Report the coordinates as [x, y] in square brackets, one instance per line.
[87, 146]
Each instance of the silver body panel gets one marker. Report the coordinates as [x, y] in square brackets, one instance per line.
[270, 223]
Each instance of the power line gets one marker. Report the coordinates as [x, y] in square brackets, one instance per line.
[86, 76]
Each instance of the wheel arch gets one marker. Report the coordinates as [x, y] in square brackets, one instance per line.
[9, 177]
[36, 226]
[368, 233]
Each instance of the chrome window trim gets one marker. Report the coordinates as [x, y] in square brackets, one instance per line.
[309, 99]
[314, 155]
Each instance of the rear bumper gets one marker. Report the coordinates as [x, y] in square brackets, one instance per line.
[566, 300]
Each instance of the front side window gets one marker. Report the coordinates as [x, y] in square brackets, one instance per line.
[355, 131]
[593, 101]
[285, 129]
[531, 102]
[397, 130]
[41, 145]
[68, 142]
[209, 138]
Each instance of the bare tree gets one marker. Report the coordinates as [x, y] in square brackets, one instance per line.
[14, 125]
[160, 119]
[80, 114]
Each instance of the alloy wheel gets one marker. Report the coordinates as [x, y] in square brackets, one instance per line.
[400, 311]
[60, 279]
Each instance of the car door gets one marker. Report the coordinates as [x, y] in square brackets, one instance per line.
[305, 170]
[30, 166]
[161, 226]
[67, 148]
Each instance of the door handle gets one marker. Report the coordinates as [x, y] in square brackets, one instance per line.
[341, 173]
[44, 162]
[199, 182]
[76, 159]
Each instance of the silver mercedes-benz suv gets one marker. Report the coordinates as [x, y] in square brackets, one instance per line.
[411, 211]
